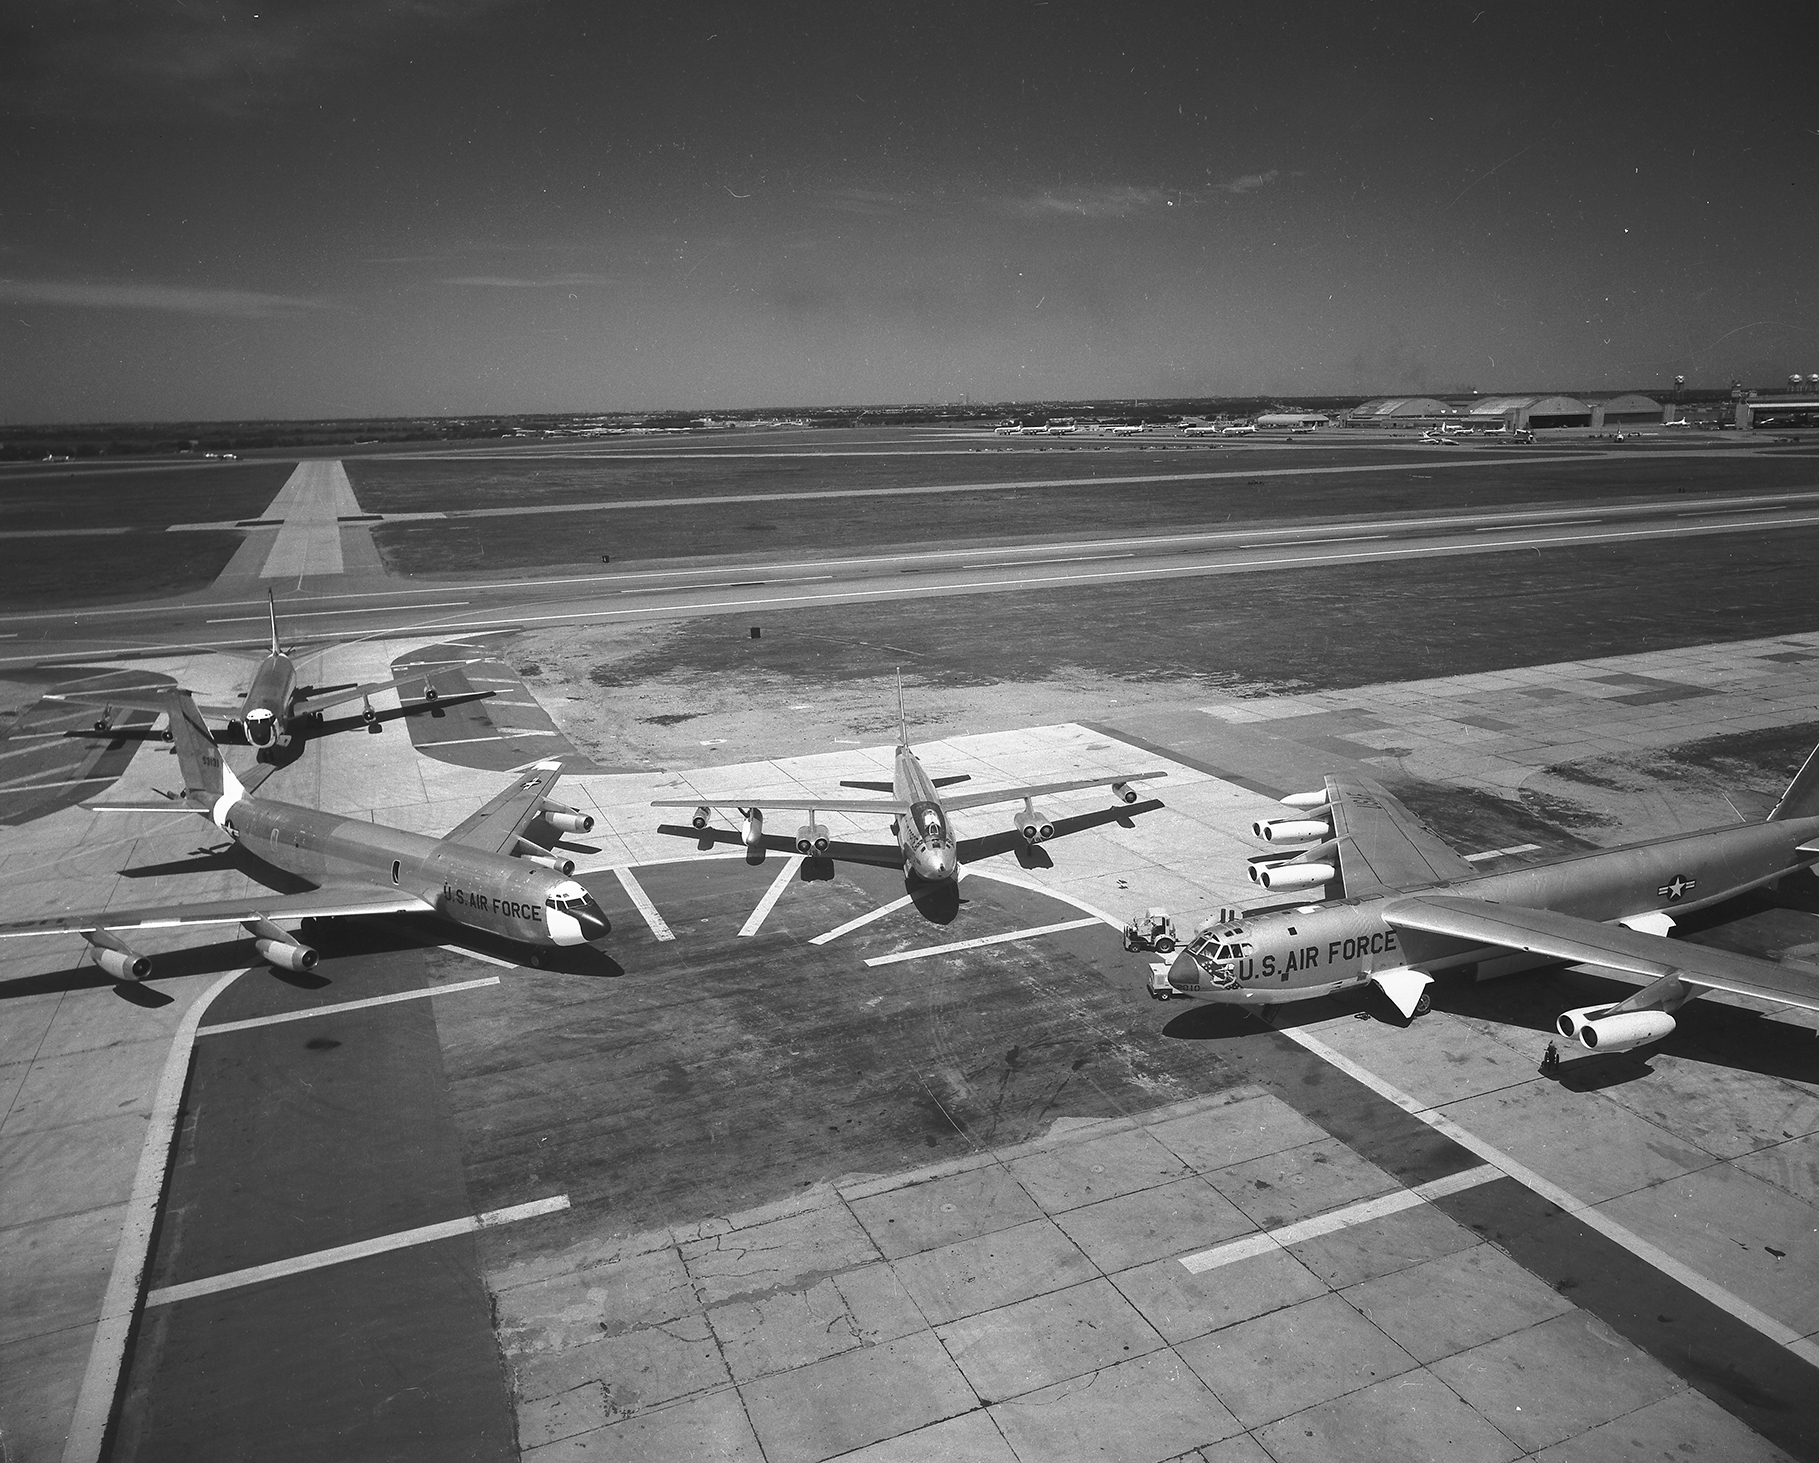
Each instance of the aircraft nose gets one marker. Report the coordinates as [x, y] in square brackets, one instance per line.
[593, 921]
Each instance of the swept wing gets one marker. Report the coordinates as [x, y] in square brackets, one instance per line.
[791, 805]
[1382, 845]
[327, 902]
[497, 826]
[1586, 942]
[1039, 790]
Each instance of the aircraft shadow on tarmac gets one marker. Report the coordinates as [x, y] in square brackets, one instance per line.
[280, 757]
[229, 857]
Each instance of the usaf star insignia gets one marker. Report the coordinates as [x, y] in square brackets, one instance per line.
[1679, 887]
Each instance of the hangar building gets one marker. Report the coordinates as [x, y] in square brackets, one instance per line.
[1403, 411]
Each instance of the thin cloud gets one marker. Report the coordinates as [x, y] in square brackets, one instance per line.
[1248, 183]
[517, 282]
[1118, 202]
[174, 299]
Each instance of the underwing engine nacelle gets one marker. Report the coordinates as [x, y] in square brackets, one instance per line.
[116, 957]
[811, 839]
[1035, 825]
[751, 828]
[1597, 1029]
[536, 853]
[1292, 875]
[568, 820]
[1124, 792]
[280, 947]
[1291, 830]
[698, 819]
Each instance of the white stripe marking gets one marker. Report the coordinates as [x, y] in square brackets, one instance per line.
[864, 919]
[635, 892]
[497, 736]
[476, 955]
[1473, 858]
[772, 894]
[339, 1006]
[341, 1254]
[95, 1401]
[1072, 924]
[1331, 1223]
[1710, 1290]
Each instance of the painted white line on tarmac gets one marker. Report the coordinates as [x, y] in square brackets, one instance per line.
[1473, 858]
[1337, 1219]
[48, 786]
[982, 941]
[107, 1353]
[303, 614]
[861, 921]
[341, 1254]
[634, 891]
[772, 894]
[476, 955]
[1733, 1305]
[975, 871]
[340, 1006]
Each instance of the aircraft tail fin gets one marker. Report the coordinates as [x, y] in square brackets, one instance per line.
[1801, 800]
[272, 604]
[902, 718]
[206, 776]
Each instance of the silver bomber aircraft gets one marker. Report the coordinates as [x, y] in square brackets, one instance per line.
[1410, 907]
[925, 840]
[484, 875]
[274, 708]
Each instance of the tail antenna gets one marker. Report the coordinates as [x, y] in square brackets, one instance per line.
[272, 603]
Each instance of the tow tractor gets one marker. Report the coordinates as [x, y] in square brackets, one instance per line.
[1151, 929]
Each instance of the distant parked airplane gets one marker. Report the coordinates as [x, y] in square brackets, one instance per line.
[919, 816]
[275, 708]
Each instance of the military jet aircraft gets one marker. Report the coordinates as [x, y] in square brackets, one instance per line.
[925, 841]
[1409, 906]
[275, 708]
[484, 875]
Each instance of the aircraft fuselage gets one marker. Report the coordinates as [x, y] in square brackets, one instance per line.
[1314, 950]
[467, 886]
[265, 714]
[923, 835]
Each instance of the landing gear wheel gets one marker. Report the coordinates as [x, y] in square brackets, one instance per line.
[1164, 945]
[1423, 1004]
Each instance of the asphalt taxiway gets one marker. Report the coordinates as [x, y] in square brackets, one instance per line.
[800, 1168]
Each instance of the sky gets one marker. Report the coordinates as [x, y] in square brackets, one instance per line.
[220, 209]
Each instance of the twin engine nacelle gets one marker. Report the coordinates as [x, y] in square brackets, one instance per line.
[811, 839]
[1035, 825]
[1291, 830]
[536, 853]
[567, 820]
[1292, 875]
[1597, 1029]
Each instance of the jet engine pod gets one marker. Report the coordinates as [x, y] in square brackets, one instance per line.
[1124, 792]
[699, 820]
[113, 955]
[1035, 825]
[287, 954]
[811, 839]
[567, 820]
[1597, 1030]
[1291, 830]
[1292, 876]
[751, 829]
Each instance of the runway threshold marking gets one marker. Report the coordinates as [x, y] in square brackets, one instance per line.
[634, 891]
[1733, 1305]
[339, 1006]
[119, 1304]
[983, 940]
[772, 895]
[341, 1254]
[861, 921]
[1335, 1220]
